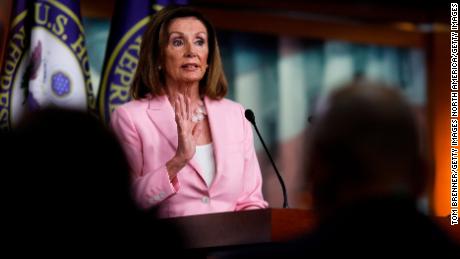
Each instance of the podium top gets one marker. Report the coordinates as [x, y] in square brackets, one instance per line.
[243, 227]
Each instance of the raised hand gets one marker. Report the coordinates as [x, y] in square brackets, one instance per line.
[187, 132]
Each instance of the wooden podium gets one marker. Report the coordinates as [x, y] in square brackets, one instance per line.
[242, 228]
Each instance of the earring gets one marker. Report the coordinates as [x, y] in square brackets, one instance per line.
[159, 67]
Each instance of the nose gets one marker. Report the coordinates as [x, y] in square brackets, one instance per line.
[189, 51]
[190, 54]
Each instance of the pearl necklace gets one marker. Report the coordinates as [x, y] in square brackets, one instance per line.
[199, 114]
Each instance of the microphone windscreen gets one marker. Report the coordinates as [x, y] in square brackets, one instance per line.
[250, 116]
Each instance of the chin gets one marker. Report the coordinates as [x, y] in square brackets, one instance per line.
[192, 79]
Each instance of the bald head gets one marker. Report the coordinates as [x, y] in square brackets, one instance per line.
[363, 143]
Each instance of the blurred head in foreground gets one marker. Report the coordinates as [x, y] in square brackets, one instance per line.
[363, 145]
[71, 181]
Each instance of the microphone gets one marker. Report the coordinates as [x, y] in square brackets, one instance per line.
[251, 118]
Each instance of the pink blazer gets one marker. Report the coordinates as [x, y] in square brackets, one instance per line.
[147, 131]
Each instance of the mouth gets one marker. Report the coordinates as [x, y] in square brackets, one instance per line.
[190, 66]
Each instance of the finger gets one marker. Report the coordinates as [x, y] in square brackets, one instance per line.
[188, 106]
[179, 106]
[182, 106]
[173, 102]
[177, 109]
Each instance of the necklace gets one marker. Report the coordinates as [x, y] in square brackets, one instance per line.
[199, 114]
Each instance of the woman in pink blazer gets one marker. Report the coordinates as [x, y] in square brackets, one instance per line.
[191, 151]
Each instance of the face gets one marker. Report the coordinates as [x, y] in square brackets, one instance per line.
[186, 53]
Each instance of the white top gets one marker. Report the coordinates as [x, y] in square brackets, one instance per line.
[204, 155]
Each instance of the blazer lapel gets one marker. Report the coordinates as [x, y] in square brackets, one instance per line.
[162, 115]
[215, 114]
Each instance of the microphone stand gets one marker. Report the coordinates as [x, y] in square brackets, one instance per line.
[251, 118]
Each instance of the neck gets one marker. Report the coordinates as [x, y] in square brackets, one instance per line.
[191, 90]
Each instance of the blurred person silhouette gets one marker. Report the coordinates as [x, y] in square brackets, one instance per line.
[191, 150]
[69, 189]
[366, 173]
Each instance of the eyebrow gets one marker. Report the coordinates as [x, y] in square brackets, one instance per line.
[201, 32]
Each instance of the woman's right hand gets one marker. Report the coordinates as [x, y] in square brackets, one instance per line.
[187, 133]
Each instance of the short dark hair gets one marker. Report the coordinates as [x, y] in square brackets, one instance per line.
[364, 136]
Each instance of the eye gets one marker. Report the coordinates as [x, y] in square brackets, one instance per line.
[177, 42]
[200, 42]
